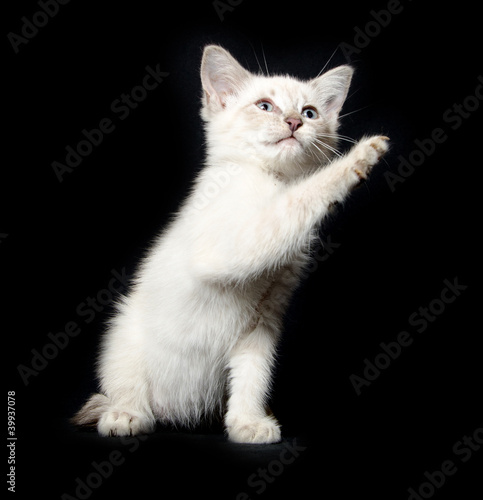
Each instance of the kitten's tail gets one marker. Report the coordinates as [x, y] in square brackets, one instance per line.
[92, 410]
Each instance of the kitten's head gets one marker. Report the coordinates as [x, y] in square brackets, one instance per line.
[281, 122]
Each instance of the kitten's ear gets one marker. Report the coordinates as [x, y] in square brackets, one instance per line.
[332, 88]
[221, 77]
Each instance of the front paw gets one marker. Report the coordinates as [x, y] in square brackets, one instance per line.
[261, 430]
[367, 153]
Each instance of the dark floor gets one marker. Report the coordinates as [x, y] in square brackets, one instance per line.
[379, 448]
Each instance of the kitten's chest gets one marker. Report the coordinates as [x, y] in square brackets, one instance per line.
[271, 293]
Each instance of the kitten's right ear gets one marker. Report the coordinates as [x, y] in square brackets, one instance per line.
[221, 77]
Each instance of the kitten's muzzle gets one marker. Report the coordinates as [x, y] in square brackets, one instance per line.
[294, 123]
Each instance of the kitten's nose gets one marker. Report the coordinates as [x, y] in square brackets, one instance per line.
[293, 123]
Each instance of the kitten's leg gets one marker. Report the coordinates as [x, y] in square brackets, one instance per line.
[280, 230]
[116, 422]
[124, 380]
[247, 420]
[128, 413]
[337, 180]
[310, 201]
[114, 417]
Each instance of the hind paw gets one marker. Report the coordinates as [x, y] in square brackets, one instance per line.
[122, 423]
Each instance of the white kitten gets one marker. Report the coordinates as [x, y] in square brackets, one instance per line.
[204, 315]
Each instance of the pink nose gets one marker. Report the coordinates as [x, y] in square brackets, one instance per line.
[293, 123]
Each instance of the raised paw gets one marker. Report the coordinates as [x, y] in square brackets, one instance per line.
[122, 423]
[367, 153]
[262, 430]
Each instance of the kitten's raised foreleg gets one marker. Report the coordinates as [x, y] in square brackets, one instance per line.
[336, 181]
[278, 233]
[247, 419]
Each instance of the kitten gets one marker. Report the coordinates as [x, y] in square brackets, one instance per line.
[204, 314]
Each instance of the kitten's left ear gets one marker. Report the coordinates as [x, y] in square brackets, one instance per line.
[221, 77]
[332, 88]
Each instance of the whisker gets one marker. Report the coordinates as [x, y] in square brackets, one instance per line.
[333, 151]
[318, 149]
[385, 161]
[353, 93]
[311, 154]
[329, 147]
[352, 112]
[325, 66]
[338, 136]
[265, 60]
[256, 58]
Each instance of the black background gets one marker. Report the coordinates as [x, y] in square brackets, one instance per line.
[390, 252]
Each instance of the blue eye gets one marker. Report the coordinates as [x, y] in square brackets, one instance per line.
[310, 113]
[265, 105]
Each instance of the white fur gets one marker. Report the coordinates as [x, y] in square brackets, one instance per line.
[204, 315]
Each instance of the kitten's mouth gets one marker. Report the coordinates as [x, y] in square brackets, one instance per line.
[289, 139]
